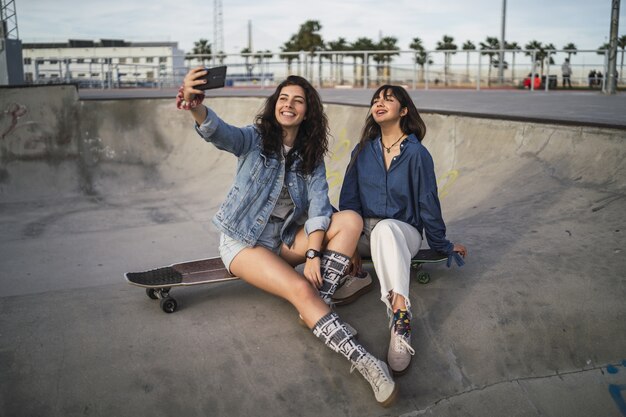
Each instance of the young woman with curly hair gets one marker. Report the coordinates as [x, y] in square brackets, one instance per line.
[277, 213]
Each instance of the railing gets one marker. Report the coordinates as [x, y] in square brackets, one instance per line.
[342, 69]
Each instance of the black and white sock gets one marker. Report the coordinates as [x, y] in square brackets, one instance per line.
[334, 266]
[333, 332]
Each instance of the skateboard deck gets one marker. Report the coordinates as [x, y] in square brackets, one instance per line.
[158, 282]
[424, 256]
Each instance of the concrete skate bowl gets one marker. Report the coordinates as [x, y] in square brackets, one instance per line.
[91, 189]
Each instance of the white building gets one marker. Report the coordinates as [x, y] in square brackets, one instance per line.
[103, 63]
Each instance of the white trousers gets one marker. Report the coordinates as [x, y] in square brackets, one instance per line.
[391, 245]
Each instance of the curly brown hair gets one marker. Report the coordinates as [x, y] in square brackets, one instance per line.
[312, 140]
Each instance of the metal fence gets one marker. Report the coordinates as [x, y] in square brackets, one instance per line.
[477, 69]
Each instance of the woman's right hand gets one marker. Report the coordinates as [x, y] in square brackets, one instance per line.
[191, 81]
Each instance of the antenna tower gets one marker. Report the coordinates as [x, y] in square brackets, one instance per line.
[8, 20]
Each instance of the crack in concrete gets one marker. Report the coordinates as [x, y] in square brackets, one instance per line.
[514, 380]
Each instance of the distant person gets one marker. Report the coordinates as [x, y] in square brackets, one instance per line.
[591, 77]
[277, 213]
[566, 71]
[391, 182]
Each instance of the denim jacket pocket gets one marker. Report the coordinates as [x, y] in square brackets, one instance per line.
[264, 169]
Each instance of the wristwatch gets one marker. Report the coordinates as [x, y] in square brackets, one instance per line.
[312, 253]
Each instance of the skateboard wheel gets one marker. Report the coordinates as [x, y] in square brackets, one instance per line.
[423, 277]
[168, 305]
[150, 292]
[415, 266]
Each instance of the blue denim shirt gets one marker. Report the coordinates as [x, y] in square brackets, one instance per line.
[406, 192]
[258, 182]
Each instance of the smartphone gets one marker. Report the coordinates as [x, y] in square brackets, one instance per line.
[215, 78]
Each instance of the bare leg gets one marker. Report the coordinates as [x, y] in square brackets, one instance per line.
[267, 271]
[342, 236]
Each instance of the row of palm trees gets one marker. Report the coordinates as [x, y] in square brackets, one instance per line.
[309, 40]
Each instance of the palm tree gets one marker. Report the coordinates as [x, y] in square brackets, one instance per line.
[387, 43]
[201, 47]
[491, 46]
[262, 58]
[246, 56]
[289, 46]
[363, 44]
[513, 46]
[339, 45]
[570, 49]
[447, 45]
[540, 52]
[468, 46]
[421, 56]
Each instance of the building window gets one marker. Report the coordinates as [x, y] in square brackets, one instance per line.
[95, 74]
[149, 60]
[122, 60]
[27, 61]
[80, 60]
[53, 61]
[162, 59]
[81, 75]
[135, 60]
[54, 75]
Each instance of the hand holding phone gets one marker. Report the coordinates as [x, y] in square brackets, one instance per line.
[215, 78]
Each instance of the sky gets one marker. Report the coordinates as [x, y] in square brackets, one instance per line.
[582, 22]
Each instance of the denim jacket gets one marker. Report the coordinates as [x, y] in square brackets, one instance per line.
[406, 192]
[258, 183]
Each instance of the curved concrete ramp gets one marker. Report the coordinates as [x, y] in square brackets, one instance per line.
[532, 325]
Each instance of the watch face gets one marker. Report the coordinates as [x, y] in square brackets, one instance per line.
[312, 253]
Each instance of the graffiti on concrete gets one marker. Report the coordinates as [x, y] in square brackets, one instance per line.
[616, 390]
[10, 118]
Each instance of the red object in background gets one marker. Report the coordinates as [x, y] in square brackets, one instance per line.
[537, 81]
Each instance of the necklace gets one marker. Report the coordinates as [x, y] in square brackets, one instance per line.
[394, 144]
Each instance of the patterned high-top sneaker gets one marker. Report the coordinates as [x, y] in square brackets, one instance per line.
[400, 350]
[332, 331]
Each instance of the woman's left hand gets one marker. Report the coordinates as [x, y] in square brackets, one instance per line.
[312, 272]
[460, 249]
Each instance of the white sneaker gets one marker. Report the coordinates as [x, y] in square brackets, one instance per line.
[377, 374]
[400, 352]
[353, 287]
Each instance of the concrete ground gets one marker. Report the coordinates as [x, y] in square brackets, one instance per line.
[532, 325]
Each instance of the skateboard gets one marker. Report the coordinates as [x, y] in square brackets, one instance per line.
[158, 282]
[424, 256]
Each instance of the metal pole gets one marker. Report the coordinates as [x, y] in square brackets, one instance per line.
[478, 73]
[606, 70]
[612, 52]
[532, 71]
[547, 72]
[366, 70]
[426, 75]
[415, 72]
[501, 63]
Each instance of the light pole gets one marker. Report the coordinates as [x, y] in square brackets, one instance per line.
[501, 60]
[611, 79]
